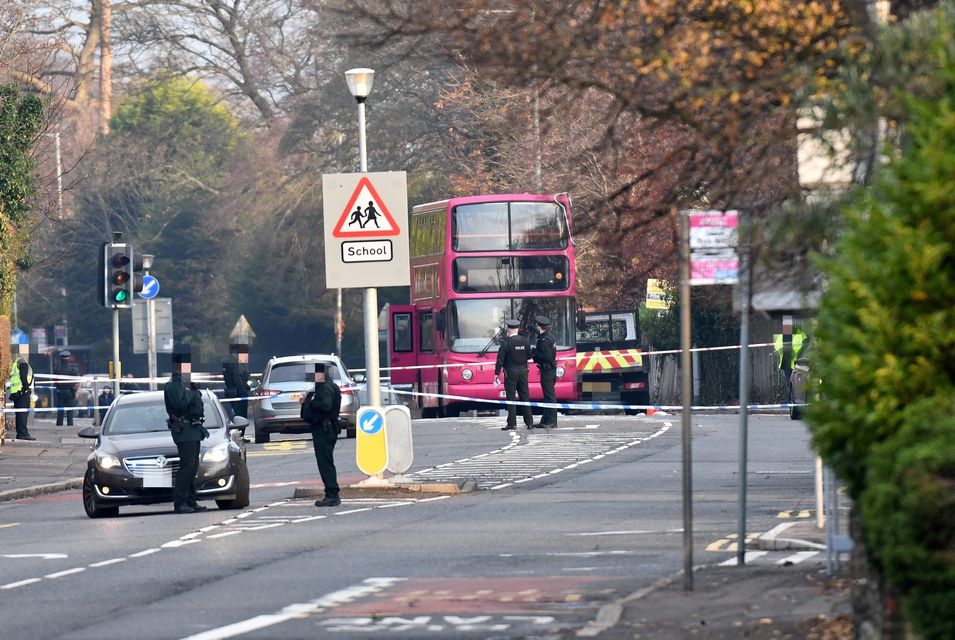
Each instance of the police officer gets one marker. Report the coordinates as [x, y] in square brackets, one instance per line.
[320, 409]
[65, 389]
[235, 376]
[512, 357]
[184, 408]
[545, 355]
[21, 382]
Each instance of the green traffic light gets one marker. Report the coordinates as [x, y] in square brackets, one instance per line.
[120, 296]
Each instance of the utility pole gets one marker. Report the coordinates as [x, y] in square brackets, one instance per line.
[105, 67]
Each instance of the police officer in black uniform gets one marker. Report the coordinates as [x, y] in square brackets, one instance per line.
[185, 411]
[65, 389]
[235, 377]
[512, 357]
[320, 409]
[545, 355]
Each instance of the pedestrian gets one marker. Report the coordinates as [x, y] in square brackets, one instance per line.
[21, 391]
[104, 400]
[185, 416]
[66, 385]
[545, 356]
[320, 409]
[512, 358]
[235, 378]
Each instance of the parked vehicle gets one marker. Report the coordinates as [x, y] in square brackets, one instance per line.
[283, 386]
[134, 460]
[609, 363]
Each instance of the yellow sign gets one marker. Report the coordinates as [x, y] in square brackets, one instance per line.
[656, 296]
[371, 449]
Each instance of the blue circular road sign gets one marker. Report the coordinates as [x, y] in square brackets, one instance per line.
[150, 288]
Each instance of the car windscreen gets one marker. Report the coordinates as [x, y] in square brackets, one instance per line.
[295, 372]
[144, 418]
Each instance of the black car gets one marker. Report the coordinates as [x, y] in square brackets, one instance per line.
[134, 460]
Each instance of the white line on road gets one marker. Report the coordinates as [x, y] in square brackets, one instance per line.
[67, 572]
[750, 555]
[224, 534]
[798, 557]
[21, 583]
[367, 587]
[143, 553]
[625, 533]
[104, 563]
[44, 556]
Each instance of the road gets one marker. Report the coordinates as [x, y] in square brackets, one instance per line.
[562, 522]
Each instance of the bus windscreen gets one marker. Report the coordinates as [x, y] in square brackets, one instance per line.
[474, 324]
[511, 273]
[514, 226]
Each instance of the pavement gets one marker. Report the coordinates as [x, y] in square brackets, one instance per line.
[726, 602]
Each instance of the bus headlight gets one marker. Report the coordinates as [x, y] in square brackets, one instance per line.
[560, 372]
[466, 374]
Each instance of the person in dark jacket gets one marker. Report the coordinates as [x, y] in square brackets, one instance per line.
[545, 356]
[320, 409]
[65, 388]
[235, 378]
[105, 399]
[512, 358]
[184, 408]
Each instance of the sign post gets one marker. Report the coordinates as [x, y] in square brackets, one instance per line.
[366, 246]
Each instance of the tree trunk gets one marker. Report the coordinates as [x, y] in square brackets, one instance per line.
[105, 65]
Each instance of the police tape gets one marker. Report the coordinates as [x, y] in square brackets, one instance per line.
[596, 406]
[732, 347]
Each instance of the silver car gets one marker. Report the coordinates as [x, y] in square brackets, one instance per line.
[283, 386]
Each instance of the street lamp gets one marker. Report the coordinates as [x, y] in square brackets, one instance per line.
[359, 84]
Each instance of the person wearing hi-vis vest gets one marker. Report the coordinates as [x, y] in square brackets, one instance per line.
[21, 390]
[798, 338]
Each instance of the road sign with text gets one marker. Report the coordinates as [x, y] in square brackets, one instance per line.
[366, 229]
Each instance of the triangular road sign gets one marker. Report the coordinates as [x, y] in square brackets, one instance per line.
[360, 220]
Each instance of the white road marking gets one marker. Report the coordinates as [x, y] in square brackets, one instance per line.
[143, 553]
[798, 557]
[21, 583]
[345, 513]
[105, 563]
[625, 533]
[367, 587]
[67, 572]
[749, 556]
[224, 534]
[43, 556]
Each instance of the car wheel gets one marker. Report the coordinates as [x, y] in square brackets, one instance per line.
[262, 437]
[241, 500]
[93, 510]
[795, 413]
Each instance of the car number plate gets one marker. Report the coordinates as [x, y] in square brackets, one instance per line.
[296, 396]
[157, 478]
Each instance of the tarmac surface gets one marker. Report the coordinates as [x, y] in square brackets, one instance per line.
[752, 601]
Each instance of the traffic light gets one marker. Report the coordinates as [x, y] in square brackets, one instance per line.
[117, 273]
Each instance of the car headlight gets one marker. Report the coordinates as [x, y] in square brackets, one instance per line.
[466, 374]
[560, 372]
[218, 453]
[106, 461]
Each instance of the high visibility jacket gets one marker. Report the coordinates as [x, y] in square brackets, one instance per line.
[798, 338]
[16, 384]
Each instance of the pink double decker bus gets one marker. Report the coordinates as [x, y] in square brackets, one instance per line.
[476, 261]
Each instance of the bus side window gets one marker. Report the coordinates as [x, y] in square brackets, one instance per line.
[426, 322]
[402, 332]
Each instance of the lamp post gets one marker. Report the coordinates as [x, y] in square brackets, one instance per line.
[359, 84]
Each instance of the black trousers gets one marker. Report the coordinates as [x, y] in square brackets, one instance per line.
[185, 491]
[548, 380]
[323, 442]
[64, 399]
[515, 382]
[21, 401]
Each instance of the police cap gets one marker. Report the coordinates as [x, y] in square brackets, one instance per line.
[319, 367]
[65, 354]
[543, 321]
[512, 324]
